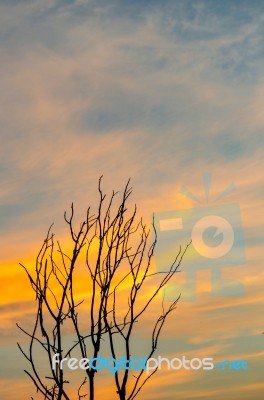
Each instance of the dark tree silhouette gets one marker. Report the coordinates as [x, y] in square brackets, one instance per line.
[116, 252]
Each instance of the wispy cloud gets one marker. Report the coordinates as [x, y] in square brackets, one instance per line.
[159, 91]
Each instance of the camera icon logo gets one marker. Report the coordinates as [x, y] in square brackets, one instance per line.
[216, 237]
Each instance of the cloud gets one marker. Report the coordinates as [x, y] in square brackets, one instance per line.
[161, 92]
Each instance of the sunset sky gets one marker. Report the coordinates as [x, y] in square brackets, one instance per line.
[159, 91]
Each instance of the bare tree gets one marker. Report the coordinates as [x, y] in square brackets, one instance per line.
[116, 252]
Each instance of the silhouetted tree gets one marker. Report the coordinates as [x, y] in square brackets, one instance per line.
[116, 253]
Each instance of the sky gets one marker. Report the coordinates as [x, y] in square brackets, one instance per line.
[161, 92]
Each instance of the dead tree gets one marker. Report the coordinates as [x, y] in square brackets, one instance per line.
[116, 252]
